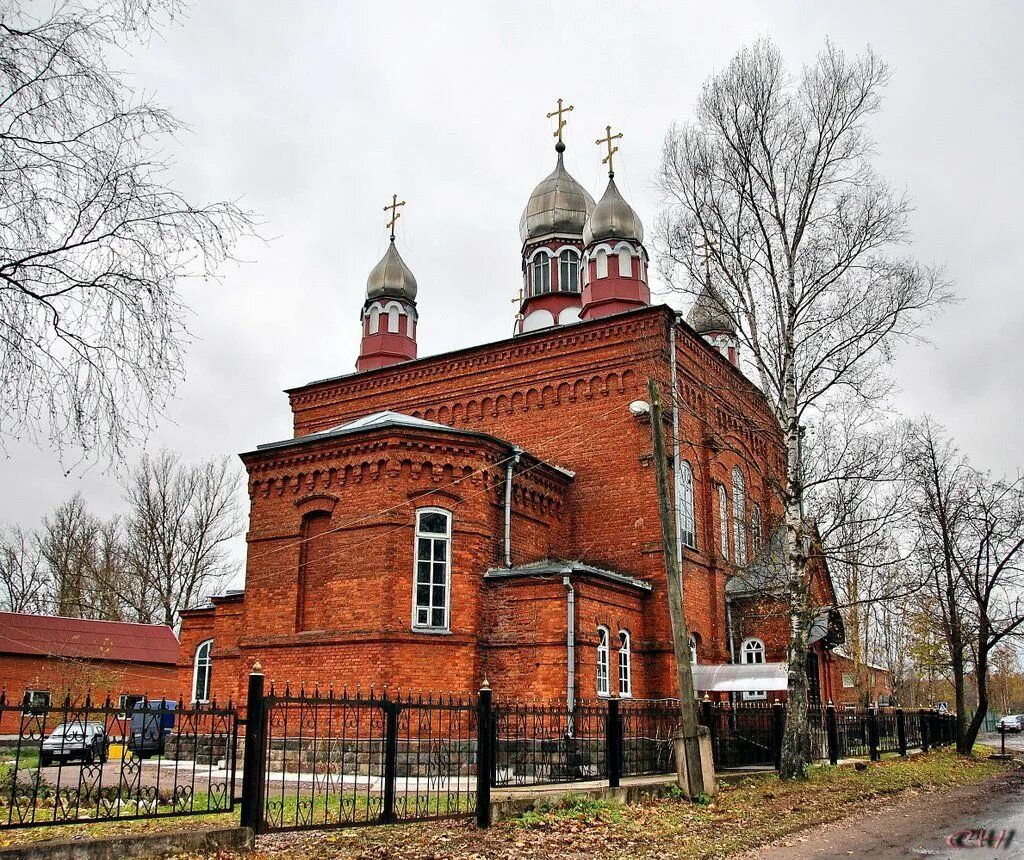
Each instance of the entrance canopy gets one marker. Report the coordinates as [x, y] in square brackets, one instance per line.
[739, 677]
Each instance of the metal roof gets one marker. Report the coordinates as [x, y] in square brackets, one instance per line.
[79, 638]
[562, 568]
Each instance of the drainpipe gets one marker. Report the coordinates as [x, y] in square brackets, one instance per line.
[728, 630]
[570, 643]
[517, 453]
[675, 439]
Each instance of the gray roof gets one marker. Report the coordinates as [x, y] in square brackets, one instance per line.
[613, 218]
[767, 572]
[709, 313]
[391, 277]
[558, 205]
[551, 567]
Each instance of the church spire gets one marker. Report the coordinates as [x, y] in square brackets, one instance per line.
[389, 313]
[710, 317]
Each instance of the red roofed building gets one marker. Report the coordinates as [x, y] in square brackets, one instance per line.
[45, 657]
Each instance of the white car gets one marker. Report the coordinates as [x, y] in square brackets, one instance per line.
[87, 741]
[1012, 723]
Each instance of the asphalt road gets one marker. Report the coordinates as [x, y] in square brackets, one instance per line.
[944, 824]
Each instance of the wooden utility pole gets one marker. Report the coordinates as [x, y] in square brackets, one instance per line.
[680, 637]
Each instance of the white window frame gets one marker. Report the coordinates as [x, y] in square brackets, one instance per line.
[601, 264]
[568, 264]
[739, 503]
[625, 262]
[28, 704]
[723, 520]
[752, 653]
[603, 680]
[625, 665]
[540, 262]
[122, 701]
[687, 518]
[206, 644]
[692, 642]
[430, 606]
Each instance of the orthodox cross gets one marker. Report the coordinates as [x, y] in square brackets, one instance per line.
[395, 214]
[707, 246]
[607, 140]
[519, 300]
[561, 122]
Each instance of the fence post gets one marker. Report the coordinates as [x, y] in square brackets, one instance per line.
[873, 734]
[253, 761]
[391, 710]
[832, 733]
[613, 743]
[778, 726]
[485, 750]
[707, 717]
[901, 731]
[925, 739]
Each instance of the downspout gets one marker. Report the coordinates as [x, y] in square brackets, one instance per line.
[570, 643]
[675, 439]
[728, 631]
[513, 461]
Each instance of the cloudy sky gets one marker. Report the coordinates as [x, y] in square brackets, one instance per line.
[313, 113]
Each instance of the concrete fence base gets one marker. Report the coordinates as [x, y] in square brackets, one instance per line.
[133, 845]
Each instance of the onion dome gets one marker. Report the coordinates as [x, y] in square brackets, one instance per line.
[391, 278]
[559, 204]
[613, 218]
[709, 313]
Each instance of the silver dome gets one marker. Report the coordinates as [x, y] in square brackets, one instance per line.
[391, 278]
[709, 313]
[613, 218]
[559, 204]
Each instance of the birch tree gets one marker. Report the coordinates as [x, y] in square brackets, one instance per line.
[94, 238]
[774, 178]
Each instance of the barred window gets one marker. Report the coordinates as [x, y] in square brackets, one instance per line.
[433, 569]
[687, 522]
[602, 661]
[625, 665]
[569, 271]
[739, 517]
[202, 672]
[723, 520]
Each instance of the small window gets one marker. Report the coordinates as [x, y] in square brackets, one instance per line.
[393, 314]
[625, 263]
[541, 274]
[126, 703]
[847, 679]
[752, 652]
[625, 665]
[602, 264]
[433, 569]
[569, 271]
[739, 516]
[693, 649]
[374, 319]
[755, 527]
[202, 672]
[602, 661]
[36, 702]
[687, 524]
[723, 521]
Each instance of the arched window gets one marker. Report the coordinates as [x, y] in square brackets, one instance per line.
[693, 649]
[755, 526]
[739, 517]
[723, 520]
[602, 264]
[625, 665]
[393, 313]
[569, 271]
[625, 263]
[374, 319]
[433, 569]
[541, 274]
[201, 672]
[752, 651]
[602, 661]
[687, 523]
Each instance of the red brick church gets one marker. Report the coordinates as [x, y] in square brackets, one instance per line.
[492, 512]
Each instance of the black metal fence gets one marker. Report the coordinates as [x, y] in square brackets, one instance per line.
[80, 762]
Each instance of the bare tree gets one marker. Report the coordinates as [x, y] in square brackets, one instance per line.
[774, 178]
[24, 584]
[179, 522]
[93, 238]
[67, 542]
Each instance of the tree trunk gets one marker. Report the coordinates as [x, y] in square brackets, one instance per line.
[965, 740]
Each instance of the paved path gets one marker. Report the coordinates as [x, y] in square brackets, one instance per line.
[920, 827]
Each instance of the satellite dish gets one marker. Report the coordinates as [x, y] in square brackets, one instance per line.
[640, 407]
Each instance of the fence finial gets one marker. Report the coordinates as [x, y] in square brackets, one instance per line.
[257, 668]
[485, 685]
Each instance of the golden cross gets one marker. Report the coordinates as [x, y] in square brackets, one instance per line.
[562, 123]
[706, 246]
[395, 214]
[519, 300]
[607, 139]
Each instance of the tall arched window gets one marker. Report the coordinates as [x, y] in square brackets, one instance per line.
[602, 661]
[687, 522]
[374, 319]
[202, 671]
[541, 274]
[569, 271]
[394, 312]
[723, 520]
[602, 264]
[755, 526]
[739, 516]
[433, 569]
[625, 263]
[625, 665]
[751, 652]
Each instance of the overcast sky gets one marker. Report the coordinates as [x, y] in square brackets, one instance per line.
[314, 113]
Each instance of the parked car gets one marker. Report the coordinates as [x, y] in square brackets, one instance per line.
[86, 741]
[150, 727]
[1012, 723]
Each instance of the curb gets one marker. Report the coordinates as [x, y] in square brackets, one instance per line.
[132, 845]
